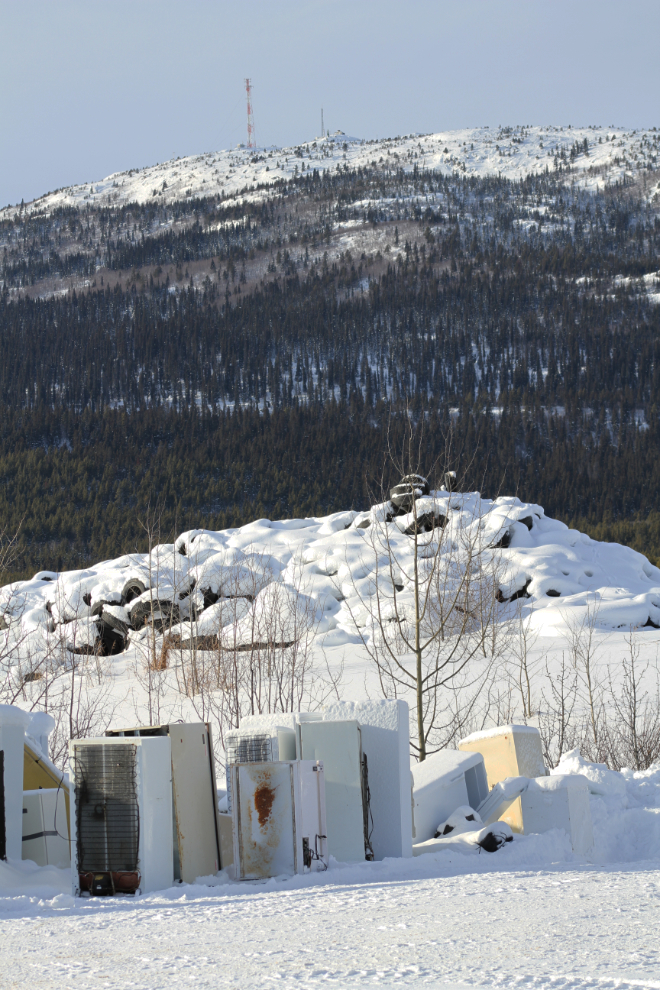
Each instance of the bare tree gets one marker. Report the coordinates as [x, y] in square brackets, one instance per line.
[522, 661]
[431, 598]
[585, 656]
[633, 736]
[252, 651]
[9, 550]
[557, 727]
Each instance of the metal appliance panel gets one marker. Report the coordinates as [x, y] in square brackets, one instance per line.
[264, 820]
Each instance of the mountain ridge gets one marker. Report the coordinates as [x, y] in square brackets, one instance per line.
[610, 155]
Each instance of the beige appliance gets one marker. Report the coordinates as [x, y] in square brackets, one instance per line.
[196, 831]
[508, 751]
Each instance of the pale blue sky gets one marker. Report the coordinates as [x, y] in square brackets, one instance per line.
[90, 87]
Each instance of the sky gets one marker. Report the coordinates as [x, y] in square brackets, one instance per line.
[91, 87]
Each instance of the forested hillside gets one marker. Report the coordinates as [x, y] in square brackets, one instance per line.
[221, 359]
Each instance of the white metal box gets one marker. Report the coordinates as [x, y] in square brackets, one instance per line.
[196, 846]
[45, 828]
[386, 744]
[445, 781]
[121, 815]
[559, 801]
[338, 745]
[508, 751]
[276, 744]
[13, 723]
[278, 819]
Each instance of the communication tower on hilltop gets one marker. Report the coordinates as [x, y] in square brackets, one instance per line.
[251, 142]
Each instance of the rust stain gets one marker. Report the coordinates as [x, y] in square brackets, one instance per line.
[263, 803]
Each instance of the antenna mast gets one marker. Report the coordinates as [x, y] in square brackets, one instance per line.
[251, 142]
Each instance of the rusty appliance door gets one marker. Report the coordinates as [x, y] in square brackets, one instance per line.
[265, 841]
[193, 789]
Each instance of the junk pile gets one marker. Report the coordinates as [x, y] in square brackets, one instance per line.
[412, 505]
[34, 794]
[140, 810]
[493, 786]
[362, 748]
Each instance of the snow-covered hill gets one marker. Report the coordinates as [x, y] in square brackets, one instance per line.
[610, 155]
[274, 582]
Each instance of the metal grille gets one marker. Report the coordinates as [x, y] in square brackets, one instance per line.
[107, 812]
[249, 749]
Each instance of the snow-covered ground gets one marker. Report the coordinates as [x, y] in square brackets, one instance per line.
[546, 929]
[533, 914]
[614, 153]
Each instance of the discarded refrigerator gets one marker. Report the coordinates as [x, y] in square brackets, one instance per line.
[279, 825]
[443, 782]
[196, 831]
[508, 751]
[121, 815]
[537, 805]
[339, 746]
[272, 744]
[39, 772]
[560, 801]
[384, 732]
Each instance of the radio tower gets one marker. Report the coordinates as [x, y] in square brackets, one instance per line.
[251, 142]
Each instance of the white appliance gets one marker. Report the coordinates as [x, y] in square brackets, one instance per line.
[268, 744]
[279, 823]
[339, 746]
[13, 723]
[386, 744]
[543, 803]
[560, 801]
[121, 814]
[196, 837]
[445, 781]
[45, 828]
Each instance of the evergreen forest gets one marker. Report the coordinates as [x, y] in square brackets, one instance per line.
[207, 362]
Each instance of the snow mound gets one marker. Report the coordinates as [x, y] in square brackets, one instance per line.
[277, 581]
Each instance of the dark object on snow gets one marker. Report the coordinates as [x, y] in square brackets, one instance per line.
[504, 541]
[494, 840]
[551, 593]
[107, 619]
[102, 885]
[97, 607]
[450, 828]
[520, 593]
[410, 488]
[426, 523]
[210, 597]
[132, 589]
[158, 612]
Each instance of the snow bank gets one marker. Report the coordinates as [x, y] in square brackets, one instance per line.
[317, 577]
